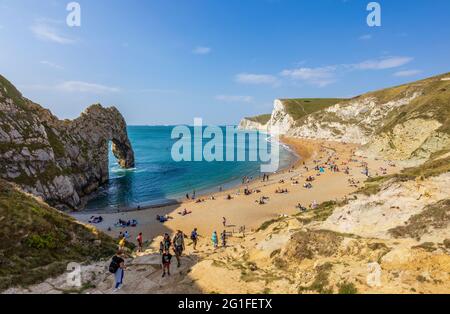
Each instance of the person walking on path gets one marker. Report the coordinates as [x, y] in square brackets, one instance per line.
[139, 241]
[166, 242]
[178, 246]
[117, 267]
[122, 243]
[194, 238]
[166, 258]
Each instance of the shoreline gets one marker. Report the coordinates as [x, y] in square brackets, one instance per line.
[205, 193]
[244, 210]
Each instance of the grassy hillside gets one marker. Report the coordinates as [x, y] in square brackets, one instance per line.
[438, 164]
[38, 242]
[297, 108]
[433, 102]
[263, 118]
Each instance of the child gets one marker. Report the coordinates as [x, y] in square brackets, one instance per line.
[166, 257]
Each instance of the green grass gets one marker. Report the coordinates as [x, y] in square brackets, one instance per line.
[37, 241]
[9, 91]
[321, 282]
[433, 167]
[321, 213]
[347, 288]
[263, 118]
[300, 107]
[434, 216]
[268, 223]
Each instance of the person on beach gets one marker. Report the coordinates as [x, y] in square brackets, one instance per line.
[224, 238]
[139, 241]
[214, 240]
[166, 242]
[224, 221]
[194, 238]
[165, 259]
[122, 243]
[117, 267]
[178, 246]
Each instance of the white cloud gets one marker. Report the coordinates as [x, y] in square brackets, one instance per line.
[85, 87]
[201, 50]
[51, 64]
[383, 63]
[256, 79]
[407, 73]
[46, 32]
[365, 37]
[234, 98]
[321, 76]
[157, 91]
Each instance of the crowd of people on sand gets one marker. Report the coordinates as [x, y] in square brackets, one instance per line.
[185, 212]
[352, 182]
[176, 245]
[262, 200]
[126, 223]
[281, 191]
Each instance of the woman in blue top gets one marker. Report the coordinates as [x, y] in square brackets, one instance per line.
[215, 240]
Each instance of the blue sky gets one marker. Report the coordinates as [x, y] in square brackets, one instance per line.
[168, 61]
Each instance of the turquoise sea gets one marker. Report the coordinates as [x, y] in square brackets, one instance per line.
[158, 179]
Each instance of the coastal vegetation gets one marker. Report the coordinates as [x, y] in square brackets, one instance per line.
[38, 241]
[298, 108]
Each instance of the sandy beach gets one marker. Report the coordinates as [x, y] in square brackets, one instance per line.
[245, 210]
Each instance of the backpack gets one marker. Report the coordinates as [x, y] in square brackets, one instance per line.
[113, 266]
[193, 235]
[179, 240]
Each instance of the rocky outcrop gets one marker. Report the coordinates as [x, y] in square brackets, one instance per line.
[280, 118]
[247, 124]
[410, 122]
[61, 161]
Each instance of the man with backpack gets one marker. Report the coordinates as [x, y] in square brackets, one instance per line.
[194, 238]
[117, 267]
[178, 246]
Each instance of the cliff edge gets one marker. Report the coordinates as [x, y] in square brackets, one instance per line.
[61, 161]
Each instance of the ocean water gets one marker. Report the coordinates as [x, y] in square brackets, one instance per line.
[158, 179]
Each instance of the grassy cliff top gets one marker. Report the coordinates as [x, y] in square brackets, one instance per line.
[263, 118]
[298, 108]
[37, 241]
